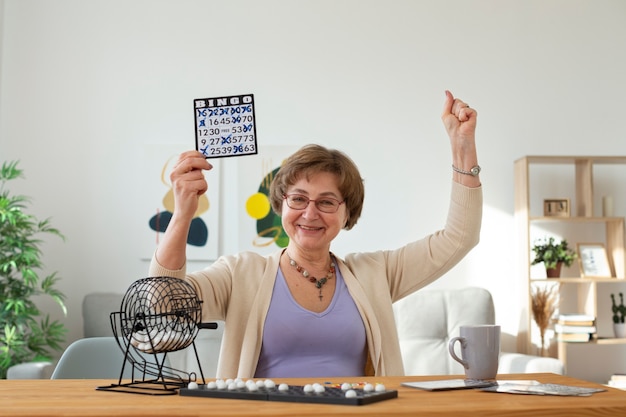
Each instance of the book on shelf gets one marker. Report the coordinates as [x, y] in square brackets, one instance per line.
[570, 328]
[576, 320]
[574, 337]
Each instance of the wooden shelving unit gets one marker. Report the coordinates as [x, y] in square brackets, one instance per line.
[582, 293]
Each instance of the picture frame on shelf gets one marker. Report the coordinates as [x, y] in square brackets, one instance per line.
[593, 261]
[556, 207]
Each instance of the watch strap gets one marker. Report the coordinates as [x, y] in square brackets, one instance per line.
[474, 171]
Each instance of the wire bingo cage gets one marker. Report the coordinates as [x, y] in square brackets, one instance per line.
[158, 315]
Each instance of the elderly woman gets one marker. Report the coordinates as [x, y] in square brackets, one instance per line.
[302, 311]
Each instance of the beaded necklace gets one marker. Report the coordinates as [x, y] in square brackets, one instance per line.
[319, 282]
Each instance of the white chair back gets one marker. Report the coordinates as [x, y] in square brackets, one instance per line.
[97, 358]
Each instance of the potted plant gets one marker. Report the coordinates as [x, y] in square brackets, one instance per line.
[619, 313]
[26, 334]
[553, 255]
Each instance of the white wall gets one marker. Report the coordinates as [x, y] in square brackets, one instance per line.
[87, 84]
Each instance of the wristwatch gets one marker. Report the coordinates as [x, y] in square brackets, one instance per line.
[474, 171]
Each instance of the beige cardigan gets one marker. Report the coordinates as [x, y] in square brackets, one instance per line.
[237, 289]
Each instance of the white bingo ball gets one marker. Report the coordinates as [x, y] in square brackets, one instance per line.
[211, 385]
[345, 386]
[368, 388]
[380, 388]
[351, 393]
[221, 384]
[232, 386]
[319, 388]
[269, 383]
[283, 387]
[308, 388]
[192, 385]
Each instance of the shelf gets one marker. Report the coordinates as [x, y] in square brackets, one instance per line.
[578, 280]
[610, 341]
[601, 341]
[577, 219]
[572, 159]
[538, 178]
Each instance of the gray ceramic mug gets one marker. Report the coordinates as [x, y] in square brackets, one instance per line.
[480, 350]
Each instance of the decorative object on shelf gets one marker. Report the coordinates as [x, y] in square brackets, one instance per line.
[619, 313]
[593, 260]
[545, 299]
[556, 207]
[553, 255]
[26, 333]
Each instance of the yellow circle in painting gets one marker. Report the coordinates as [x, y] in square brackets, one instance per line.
[258, 206]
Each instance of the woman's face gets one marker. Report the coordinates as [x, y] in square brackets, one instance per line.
[310, 228]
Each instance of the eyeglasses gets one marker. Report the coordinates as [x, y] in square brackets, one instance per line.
[324, 204]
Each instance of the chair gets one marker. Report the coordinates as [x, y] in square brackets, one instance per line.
[31, 370]
[96, 309]
[97, 358]
[428, 319]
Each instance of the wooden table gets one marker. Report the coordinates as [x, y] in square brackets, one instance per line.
[80, 398]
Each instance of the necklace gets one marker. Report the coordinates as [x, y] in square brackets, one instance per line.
[319, 282]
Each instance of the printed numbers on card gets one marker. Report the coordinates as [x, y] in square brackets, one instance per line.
[225, 126]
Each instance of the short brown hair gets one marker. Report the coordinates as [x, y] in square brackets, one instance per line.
[312, 159]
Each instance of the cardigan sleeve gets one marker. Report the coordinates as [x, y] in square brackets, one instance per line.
[421, 262]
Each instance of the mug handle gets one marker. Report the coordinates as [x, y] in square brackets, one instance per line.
[453, 354]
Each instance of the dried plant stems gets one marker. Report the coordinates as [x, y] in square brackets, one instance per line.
[544, 304]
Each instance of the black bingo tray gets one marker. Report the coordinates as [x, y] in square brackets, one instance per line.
[295, 393]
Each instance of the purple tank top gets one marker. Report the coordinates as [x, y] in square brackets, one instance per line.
[300, 343]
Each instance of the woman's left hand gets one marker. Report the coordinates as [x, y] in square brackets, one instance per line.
[460, 122]
[459, 119]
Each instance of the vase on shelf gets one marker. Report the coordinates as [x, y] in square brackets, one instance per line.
[554, 272]
[619, 330]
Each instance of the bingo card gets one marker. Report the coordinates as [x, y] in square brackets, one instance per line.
[225, 126]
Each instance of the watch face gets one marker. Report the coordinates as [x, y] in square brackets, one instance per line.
[475, 170]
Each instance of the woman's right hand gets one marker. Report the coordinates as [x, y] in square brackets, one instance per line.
[188, 182]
